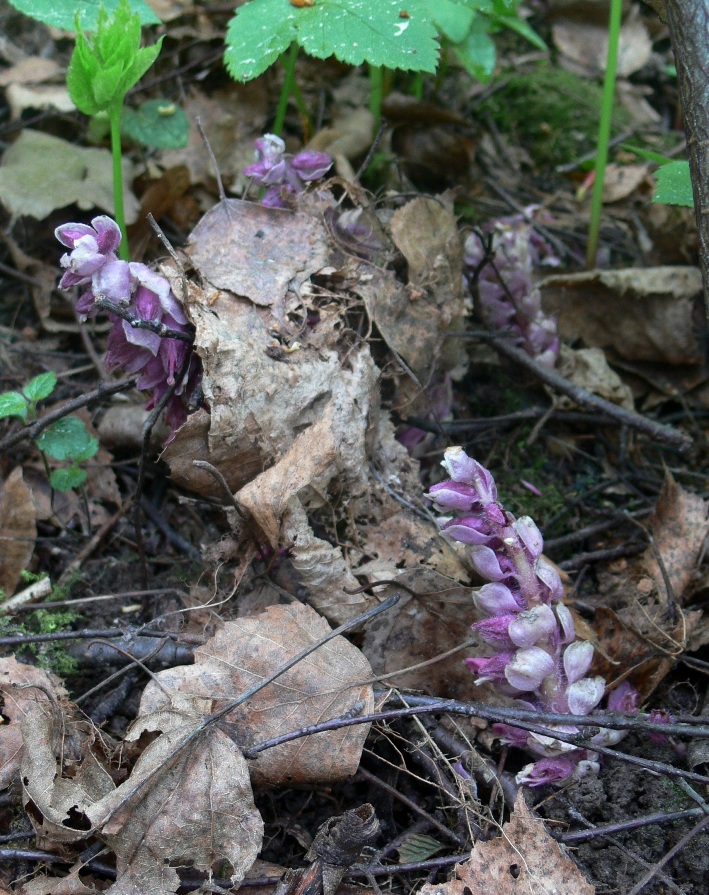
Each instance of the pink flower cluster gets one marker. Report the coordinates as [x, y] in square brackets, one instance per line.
[92, 264]
[507, 298]
[282, 173]
[537, 658]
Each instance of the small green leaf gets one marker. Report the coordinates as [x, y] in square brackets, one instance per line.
[13, 404]
[67, 439]
[379, 32]
[67, 478]
[452, 19]
[674, 185]
[106, 65]
[418, 847]
[40, 387]
[514, 23]
[477, 52]
[157, 123]
[60, 13]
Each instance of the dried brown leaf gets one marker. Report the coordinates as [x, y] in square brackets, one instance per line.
[19, 687]
[258, 252]
[324, 685]
[525, 859]
[18, 530]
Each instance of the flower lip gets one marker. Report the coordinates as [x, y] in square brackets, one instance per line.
[528, 668]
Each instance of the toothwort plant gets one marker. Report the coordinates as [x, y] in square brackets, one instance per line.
[282, 173]
[503, 282]
[537, 658]
[93, 265]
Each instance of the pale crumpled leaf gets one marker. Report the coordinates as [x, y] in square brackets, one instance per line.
[257, 252]
[20, 686]
[18, 530]
[324, 685]
[644, 314]
[188, 799]
[40, 173]
[524, 859]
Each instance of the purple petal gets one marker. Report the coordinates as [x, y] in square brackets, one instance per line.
[623, 699]
[121, 354]
[577, 660]
[566, 620]
[549, 577]
[108, 233]
[311, 165]
[453, 496]
[530, 535]
[486, 563]
[113, 282]
[533, 625]
[528, 668]
[511, 736]
[496, 599]
[494, 631]
[468, 530]
[585, 695]
[152, 375]
[545, 771]
[142, 338]
[68, 234]
[491, 668]
[161, 287]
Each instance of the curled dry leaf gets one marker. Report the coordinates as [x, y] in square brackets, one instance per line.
[525, 859]
[326, 684]
[18, 530]
[20, 686]
[648, 628]
[188, 799]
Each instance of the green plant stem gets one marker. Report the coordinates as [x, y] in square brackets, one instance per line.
[289, 60]
[114, 116]
[376, 93]
[604, 131]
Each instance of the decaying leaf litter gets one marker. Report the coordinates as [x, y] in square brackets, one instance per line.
[323, 357]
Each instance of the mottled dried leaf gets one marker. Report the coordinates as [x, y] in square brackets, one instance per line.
[525, 860]
[324, 685]
[18, 530]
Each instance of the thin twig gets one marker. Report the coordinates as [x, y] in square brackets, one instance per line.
[153, 326]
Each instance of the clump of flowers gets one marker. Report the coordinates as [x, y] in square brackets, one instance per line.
[93, 265]
[537, 658]
[503, 280]
[282, 173]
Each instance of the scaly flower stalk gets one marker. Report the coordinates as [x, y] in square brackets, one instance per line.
[537, 657]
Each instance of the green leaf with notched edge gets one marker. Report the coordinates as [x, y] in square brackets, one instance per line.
[674, 185]
[157, 123]
[380, 32]
[67, 439]
[60, 13]
[13, 404]
[68, 478]
[40, 387]
[477, 52]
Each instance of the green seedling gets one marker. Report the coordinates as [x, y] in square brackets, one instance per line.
[467, 27]
[604, 131]
[674, 181]
[66, 441]
[102, 70]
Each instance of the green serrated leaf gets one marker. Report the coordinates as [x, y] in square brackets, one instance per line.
[67, 439]
[157, 123]
[60, 13]
[67, 478]
[40, 387]
[13, 404]
[477, 52]
[674, 185]
[418, 848]
[354, 31]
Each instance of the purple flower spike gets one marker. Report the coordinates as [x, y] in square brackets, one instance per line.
[146, 296]
[283, 173]
[623, 699]
[545, 771]
[532, 632]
